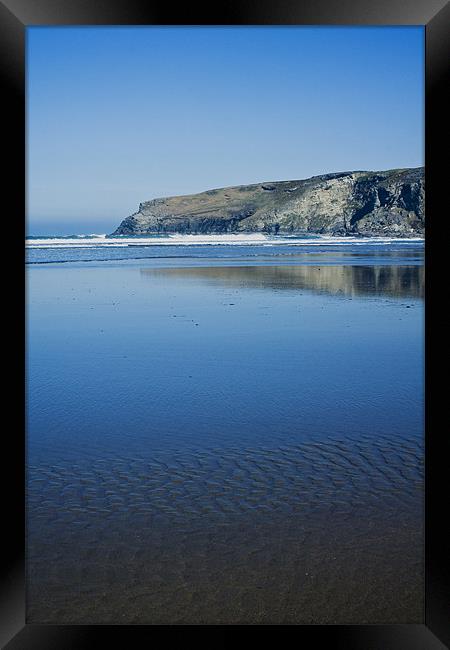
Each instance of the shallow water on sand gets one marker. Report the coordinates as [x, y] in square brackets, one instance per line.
[226, 442]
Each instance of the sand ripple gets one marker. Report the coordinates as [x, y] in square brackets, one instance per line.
[319, 532]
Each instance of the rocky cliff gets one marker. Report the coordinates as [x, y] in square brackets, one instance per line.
[388, 203]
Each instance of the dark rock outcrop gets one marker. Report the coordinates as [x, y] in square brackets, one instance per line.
[389, 203]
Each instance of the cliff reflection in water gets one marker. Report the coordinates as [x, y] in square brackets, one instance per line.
[393, 281]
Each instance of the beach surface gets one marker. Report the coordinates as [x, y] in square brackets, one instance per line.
[222, 434]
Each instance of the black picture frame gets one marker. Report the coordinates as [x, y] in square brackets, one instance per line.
[15, 16]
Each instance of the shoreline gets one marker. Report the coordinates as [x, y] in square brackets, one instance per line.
[242, 239]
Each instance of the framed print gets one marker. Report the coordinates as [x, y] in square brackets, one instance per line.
[232, 224]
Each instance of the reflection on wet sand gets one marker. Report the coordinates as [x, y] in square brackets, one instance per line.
[392, 281]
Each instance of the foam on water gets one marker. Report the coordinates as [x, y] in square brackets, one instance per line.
[238, 239]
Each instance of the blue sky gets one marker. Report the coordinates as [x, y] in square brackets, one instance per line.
[119, 115]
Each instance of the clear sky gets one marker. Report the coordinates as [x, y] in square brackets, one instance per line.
[120, 115]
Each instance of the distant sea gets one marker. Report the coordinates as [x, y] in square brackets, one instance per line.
[102, 247]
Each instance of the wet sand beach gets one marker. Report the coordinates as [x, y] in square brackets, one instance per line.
[313, 533]
[239, 443]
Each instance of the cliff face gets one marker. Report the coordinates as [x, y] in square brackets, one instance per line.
[389, 203]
